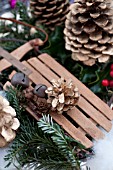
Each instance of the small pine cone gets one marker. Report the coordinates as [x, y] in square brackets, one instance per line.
[28, 93]
[63, 95]
[42, 106]
[51, 13]
[89, 31]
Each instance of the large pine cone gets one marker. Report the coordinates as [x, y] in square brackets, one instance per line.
[89, 31]
[62, 96]
[50, 12]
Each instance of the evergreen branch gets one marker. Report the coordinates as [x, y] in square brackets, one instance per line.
[59, 138]
[12, 96]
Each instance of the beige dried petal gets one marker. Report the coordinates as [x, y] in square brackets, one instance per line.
[61, 98]
[100, 48]
[2, 142]
[8, 134]
[77, 94]
[89, 3]
[108, 51]
[74, 56]
[90, 46]
[81, 57]
[15, 124]
[95, 15]
[83, 38]
[95, 36]
[66, 108]
[102, 21]
[60, 107]
[82, 19]
[89, 62]
[54, 102]
[10, 110]
[76, 89]
[104, 39]
[67, 100]
[8, 118]
[89, 27]
[3, 102]
[84, 51]
[55, 83]
[103, 58]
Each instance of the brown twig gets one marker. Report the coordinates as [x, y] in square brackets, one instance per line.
[27, 25]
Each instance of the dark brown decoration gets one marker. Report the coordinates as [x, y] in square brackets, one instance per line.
[20, 79]
[39, 90]
[89, 31]
[36, 104]
[51, 13]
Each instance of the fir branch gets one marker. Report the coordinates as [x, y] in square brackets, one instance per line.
[59, 138]
[13, 97]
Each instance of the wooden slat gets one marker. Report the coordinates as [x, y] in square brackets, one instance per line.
[85, 123]
[18, 54]
[91, 97]
[14, 61]
[45, 71]
[72, 130]
[35, 76]
[95, 114]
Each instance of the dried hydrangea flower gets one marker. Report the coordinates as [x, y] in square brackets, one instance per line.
[8, 123]
[62, 95]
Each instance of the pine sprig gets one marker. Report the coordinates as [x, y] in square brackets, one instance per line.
[59, 138]
[13, 97]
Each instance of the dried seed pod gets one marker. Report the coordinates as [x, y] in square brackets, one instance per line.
[20, 79]
[63, 95]
[39, 90]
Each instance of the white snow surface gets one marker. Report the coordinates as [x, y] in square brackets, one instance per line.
[103, 158]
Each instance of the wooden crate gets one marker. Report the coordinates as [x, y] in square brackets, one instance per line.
[82, 122]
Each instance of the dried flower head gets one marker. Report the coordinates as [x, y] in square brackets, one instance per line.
[8, 122]
[63, 95]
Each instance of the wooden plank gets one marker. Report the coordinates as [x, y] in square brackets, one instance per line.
[35, 76]
[90, 96]
[94, 114]
[14, 61]
[43, 69]
[72, 130]
[85, 123]
[18, 54]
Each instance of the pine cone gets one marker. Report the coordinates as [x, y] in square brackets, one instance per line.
[36, 104]
[63, 95]
[89, 31]
[51, 13]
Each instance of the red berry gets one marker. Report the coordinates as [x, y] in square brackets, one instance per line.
[111, 67]
[111, 83]
[105, 82]
[111, 73]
